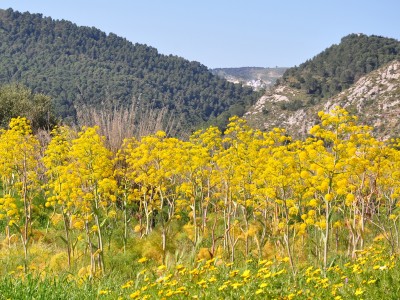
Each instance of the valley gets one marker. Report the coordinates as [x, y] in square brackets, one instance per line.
[130, 174]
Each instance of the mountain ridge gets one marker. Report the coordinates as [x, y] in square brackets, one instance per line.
[374, 98]
[326, 78]
[82, 65]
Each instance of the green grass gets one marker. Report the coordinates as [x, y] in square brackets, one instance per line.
[373, 274]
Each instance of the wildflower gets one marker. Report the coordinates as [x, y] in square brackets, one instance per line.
[259, 291]
[134, 295]
[128, 284]
[291, 296]
[194, 272]
[285, 259]
[103, 292]
[293, 211]
[358, 292]
[142, 260]
[235, 285]
[233, 273]
[245, 274]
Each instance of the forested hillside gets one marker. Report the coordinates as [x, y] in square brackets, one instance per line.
[84, 66]
[339, 66]
[361, 73]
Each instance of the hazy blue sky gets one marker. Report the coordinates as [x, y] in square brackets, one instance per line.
[229, 33]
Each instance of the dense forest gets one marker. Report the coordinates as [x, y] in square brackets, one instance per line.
[81, 66]
[339, 66]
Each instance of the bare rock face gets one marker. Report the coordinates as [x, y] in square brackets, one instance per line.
[255, 77]
[374, 98]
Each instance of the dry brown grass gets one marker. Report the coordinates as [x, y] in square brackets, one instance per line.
[118, 123]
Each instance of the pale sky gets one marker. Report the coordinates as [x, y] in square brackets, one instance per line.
[229, 33]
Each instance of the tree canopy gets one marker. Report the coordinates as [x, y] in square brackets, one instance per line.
[83, 65]
[339, 66]
[18, 100]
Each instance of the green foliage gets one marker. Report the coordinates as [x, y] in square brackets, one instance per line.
[17, 100]
[82, 65]
[50, 288]
[339, 66]
[373, 275]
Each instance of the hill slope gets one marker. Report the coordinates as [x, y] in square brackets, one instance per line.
[374, 98]
[255, 77]
[339, 66]
[82, 65]
[322, 82]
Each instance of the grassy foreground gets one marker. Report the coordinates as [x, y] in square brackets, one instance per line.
[372, 275]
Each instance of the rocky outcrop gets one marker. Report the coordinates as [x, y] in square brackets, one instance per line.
[374, 98]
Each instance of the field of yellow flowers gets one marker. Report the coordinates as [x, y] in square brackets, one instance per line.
[233, 215]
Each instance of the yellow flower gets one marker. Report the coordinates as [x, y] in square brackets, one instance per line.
[142, 260]
[337, 224]
[236, 285]
[134, 295]
[103, 292]
[202, 283]
[349, 199]
[358, 292]
[313, 203]
[169, 293]
[291, 296]
[245, 274]
[259, 291]
[127, 284]
[293, 211]
[285, 259]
